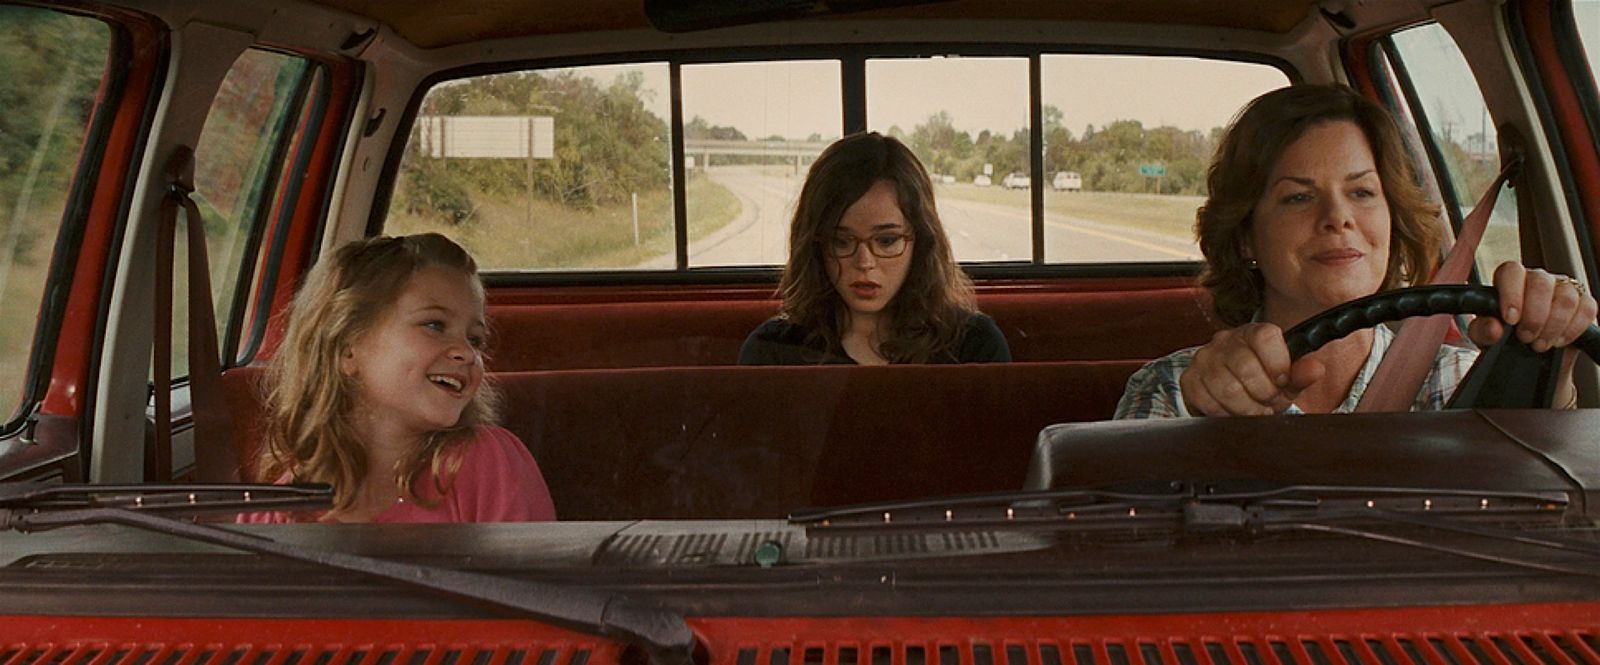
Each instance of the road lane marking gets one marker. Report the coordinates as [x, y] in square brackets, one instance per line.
[1137, 243]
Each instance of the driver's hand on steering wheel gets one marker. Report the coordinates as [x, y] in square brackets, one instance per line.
[1245, 371]
[1549, 310]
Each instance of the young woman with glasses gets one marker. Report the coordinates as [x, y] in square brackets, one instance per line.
[871, 279]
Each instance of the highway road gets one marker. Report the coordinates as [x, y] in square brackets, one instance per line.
[978, 231]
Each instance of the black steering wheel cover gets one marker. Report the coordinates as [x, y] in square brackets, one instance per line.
[1378, 308]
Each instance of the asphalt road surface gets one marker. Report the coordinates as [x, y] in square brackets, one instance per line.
[978, 231]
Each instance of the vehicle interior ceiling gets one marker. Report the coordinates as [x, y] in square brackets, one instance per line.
[406, 43]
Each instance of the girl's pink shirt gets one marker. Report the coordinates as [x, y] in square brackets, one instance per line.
[498, 481]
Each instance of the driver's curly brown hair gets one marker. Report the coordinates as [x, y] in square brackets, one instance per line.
[1238, 176]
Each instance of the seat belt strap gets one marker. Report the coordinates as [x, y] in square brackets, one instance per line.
[212, 423]
[1394, 385]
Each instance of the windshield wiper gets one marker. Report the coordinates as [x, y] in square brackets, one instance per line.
[1434, 513]
[1202, 509]
[26, 507]
[1166, 501]
[179, 499]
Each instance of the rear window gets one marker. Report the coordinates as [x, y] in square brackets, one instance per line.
[1126, 168]
[606, 168]
[550, 170]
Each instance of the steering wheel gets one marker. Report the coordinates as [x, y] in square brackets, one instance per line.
[1507, 375]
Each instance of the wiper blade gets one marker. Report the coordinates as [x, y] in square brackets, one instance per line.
[1126, 505]
[1211, 509]
[171, 499]
[1270, 511]
[1327, 525]
[664, 635]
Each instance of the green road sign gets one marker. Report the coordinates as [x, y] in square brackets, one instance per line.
[1152, 170]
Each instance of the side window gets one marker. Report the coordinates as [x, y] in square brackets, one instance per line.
[974, 144]
[751, 130]
[51, 68]
[1586, 16]
[246, 319]
[1126, 167]
[553, 169]
[239, 169]
[1448, 108]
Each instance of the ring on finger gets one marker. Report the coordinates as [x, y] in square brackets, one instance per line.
[1574, 283]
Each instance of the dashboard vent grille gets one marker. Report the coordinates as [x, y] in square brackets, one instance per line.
[189, 654]
[846, 545]
[1523, 648]
[1520, 634]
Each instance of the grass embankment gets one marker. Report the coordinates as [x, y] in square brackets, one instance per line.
[1168, 215]
[25, 264]
[501, 235]
[1173, 216]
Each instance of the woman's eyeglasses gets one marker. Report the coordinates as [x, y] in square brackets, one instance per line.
[882, 245]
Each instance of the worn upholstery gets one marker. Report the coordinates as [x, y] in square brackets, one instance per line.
[725, 442]
[749, 442]
[1040, 326]
[634, 410]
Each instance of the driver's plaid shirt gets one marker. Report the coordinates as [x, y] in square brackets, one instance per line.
[1153, 391]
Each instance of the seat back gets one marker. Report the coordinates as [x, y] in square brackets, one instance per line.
[1040, 325]
[759, 442]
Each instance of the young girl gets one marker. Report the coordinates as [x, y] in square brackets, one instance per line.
[378, 390]
[871, 279]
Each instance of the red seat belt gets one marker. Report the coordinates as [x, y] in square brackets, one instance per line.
[213, 425]
[1405, 366]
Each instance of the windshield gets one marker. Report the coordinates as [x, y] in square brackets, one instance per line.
[611, 274]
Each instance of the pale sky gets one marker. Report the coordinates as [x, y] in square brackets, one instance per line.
[796, 99]
[992, 93]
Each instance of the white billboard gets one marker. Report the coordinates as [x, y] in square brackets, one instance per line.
[488, 137]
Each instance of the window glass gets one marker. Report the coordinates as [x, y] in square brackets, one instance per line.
[553, 169]
[251, 280]
[971, 132]
[751, 131]
[237, 163]
[1586, 16]
[1460, 128]
[51, 65]
[1126, 167]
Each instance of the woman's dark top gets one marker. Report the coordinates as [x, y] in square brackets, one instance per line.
[779, 342]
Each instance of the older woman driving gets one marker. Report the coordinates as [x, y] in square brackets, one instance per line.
[1313, 202]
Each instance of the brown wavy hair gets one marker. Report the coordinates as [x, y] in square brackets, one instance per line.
[310, 436]
[1249, 150]
[929, 312]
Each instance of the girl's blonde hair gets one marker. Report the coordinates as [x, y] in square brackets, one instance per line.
[309, 434]
[929, 313]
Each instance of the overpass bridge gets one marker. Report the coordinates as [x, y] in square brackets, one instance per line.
[798, 152]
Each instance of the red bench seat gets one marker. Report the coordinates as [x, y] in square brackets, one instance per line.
[1039, 324]
[758, 442]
